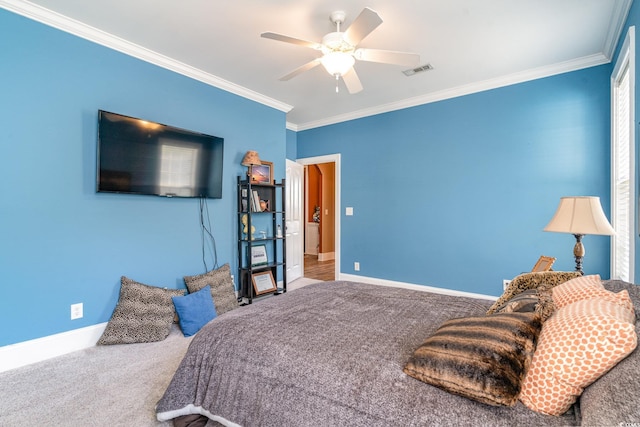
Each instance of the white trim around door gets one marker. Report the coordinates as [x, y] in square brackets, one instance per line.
[329, 158]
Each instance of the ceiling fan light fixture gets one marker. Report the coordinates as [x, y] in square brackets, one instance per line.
[340, 50]
[337, 63]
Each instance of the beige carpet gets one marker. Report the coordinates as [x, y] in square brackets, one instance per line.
[103, 386]
[115, 385]
[298, 283]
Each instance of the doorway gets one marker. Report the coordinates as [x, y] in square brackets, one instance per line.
[322, 217]
[319, 270]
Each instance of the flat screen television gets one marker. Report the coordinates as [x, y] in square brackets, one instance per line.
[141, 157]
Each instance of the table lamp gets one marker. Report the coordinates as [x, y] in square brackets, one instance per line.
[579, 216]
[250, 159]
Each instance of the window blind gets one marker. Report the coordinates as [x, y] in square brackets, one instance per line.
[621, 197]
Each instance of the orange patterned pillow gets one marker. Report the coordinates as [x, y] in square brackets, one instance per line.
[598, 307]
[577, 345]
[587, 287]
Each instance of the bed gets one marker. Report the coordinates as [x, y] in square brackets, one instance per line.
[333, 353]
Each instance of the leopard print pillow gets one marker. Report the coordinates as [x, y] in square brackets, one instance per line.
[222, 287]
[143, 314]
[532, 300]
[544, 280]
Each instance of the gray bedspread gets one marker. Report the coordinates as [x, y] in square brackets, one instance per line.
[329, 354]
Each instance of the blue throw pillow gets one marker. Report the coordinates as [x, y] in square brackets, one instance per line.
[195, 310]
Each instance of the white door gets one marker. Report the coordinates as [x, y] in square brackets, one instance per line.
[294, 220]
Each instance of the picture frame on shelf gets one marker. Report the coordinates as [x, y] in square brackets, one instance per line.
[262, 174]
[259, 255]
[263, 282]
[544, 263]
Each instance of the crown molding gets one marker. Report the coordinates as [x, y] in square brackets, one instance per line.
[79, 29]
[521, 77]
[292, 126]
[620, 14]
[66, 24]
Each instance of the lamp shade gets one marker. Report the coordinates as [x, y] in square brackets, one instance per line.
[251, 158]
[580, 215]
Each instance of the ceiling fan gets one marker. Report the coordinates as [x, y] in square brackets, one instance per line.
[339, 49]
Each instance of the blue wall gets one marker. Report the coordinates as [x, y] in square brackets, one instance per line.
[451, 194]
[60, 242]
[455, 194]
[292, 145]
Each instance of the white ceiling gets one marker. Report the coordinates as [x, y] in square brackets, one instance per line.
[473, 45]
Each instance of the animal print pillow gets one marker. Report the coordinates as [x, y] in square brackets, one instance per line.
[455, 357]
[532, 300]
[523, 302]
[544, 279]
[143, 314]
[222, 287]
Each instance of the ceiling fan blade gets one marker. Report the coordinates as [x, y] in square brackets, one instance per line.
[301, 69]
[406, 59]
[365, 23]
[352, 82]
[292, 40]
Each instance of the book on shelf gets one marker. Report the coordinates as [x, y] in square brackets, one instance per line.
[255, 202]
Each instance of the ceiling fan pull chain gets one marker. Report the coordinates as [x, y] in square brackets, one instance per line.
[337, 82]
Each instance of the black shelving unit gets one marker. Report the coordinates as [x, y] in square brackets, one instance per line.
[270, 221]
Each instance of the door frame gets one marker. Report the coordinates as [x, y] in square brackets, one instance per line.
[331, 158]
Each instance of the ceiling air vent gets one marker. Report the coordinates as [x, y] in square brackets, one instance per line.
[420, 69]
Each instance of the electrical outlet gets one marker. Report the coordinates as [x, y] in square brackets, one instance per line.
[505, 283]
[356, 266]
[76, 311]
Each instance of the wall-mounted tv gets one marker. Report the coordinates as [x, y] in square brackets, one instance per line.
[141, 157]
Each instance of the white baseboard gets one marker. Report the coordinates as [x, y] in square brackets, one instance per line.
[392, 283]
[326, 256]
[33, 351]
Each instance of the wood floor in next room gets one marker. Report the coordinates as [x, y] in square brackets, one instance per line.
[321, 270]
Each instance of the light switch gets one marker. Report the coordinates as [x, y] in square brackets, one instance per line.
[349, 211]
